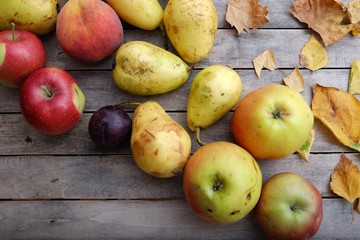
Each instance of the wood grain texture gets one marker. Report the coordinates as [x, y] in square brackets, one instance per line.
[63, 187]
[17, 137]
[118, 177]
[142, 219]
[229, 49]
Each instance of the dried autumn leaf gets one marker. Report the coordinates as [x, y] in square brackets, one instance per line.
[313, 55]
[345, 180]
[245, 14]
[354, 80]
[264, 60]
[340, 112]
[304, 151]
[324, 17]
[353, 11]
[295, 80]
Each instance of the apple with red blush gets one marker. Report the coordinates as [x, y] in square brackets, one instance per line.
[21, 53]
[51, 101]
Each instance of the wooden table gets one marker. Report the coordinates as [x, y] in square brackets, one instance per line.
[63, 187]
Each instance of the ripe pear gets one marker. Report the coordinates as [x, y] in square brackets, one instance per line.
[160, 146]
[191, 27]
[146, 15]
[142, 68]
[215, 90]
[36, 16]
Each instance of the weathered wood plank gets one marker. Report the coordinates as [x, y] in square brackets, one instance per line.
[118, 177]
[100, 89]
[18, 138]
[279, 15]
[145, 220]
[229, 49]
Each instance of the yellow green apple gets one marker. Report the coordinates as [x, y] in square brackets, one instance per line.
[272, 122]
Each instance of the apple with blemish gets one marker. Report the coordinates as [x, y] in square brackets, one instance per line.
[222, 182]
[51, 101]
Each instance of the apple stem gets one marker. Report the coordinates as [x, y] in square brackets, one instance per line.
[46, 90]
[201, 143]
[13, 31]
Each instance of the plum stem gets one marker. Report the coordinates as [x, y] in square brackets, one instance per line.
[128, 104]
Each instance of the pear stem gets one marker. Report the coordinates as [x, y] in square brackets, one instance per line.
[201, 143]
[163, 33]
[13, 31]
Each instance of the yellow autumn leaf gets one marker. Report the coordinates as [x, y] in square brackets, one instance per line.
[324, 17]
[340, 112]
[245, 14]
[313, 55]
[304, 151]
[345, 181]
[354, 80]
[353, 11]
[264, 60]
[295, 80]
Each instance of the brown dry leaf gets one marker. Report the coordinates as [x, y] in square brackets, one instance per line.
[353, 11]
[245, 14]
[324, 17]
[345, 181]
[295, 80]
[354, 80]
[340, 112]
[313, 55]
[266, 60]
[304, 151]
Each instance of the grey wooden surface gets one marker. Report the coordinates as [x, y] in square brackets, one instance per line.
[63, 187]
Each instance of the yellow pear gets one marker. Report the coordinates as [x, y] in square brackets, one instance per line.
[142, 68]
[146, 15]
[36, 16]
[215, 90]
[191, 27]
[160, 146]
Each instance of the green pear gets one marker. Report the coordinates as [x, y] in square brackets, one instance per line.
[215, 90]
[147, 15]
[191, 27]
[160, 146]
[142, 68]
[36, 16]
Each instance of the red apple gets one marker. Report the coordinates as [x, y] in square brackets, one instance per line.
[88, 30]
[51, 100]
[289, 207]
[21, 53]
[272, 122]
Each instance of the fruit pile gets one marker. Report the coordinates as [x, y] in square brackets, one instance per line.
[222, 181]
